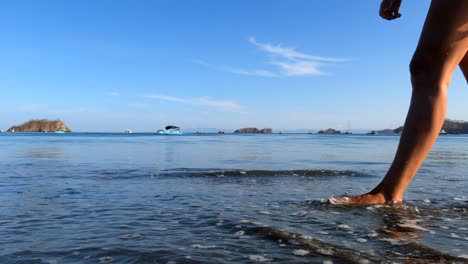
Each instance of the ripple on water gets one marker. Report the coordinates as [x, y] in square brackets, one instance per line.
[132, 237]
[240, 233]
[106, 259]
[198, 246]
[160, 228]
[301, 252]
[259, 258]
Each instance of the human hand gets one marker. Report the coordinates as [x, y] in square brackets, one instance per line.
[389, 9]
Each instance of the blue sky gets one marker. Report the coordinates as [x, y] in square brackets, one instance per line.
[111, 65]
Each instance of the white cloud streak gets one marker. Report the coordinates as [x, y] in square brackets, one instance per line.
[298, 68]
[262, 73]
[291, 62]
[287, 60]
[289, 53]
[227, 105]
[256, 72]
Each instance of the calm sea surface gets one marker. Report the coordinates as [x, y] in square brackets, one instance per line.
[209, 198]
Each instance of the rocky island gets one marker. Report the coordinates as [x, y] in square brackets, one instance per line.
[40, 125]
[254, 130]
[329, 131]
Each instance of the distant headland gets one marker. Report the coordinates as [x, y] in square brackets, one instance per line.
[40, 125]
[449, 127]
[455, 127]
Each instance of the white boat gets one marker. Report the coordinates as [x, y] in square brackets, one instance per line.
[170, 130]
[443, 132]
[128, 131]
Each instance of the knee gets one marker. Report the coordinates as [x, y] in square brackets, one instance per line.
[427, 73]
[421, 65]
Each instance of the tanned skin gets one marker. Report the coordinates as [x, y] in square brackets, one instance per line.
[443, 45]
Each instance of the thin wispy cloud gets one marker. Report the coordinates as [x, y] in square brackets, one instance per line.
[287, 61]
[115, 94]
[255, 72]
[263, 73]
[226, 105]
[298, 68]
[289, 53]
[291, 62]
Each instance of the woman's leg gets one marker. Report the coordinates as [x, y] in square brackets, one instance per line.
[464, 66]
[442, 46]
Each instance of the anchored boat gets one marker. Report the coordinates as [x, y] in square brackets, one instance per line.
[170, 130]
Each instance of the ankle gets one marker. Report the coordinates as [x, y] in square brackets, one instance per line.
[387, 196]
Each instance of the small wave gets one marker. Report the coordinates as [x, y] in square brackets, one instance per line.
[95, 255]
[438, 208]
[312, 244]
[185, 172]
[265, 173]
[416, 253]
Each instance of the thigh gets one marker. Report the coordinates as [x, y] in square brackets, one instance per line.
[444, 38]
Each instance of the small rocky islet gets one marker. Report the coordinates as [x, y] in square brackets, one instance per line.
[254, 130]
[40, 125]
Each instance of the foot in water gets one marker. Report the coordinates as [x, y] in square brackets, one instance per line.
[369, 198]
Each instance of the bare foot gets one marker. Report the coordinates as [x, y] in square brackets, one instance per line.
[376, 198]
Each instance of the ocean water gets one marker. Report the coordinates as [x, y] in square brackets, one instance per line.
[209, 198]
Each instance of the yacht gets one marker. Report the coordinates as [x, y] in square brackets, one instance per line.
[128, 131]
[348, 132]
[170, 130]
